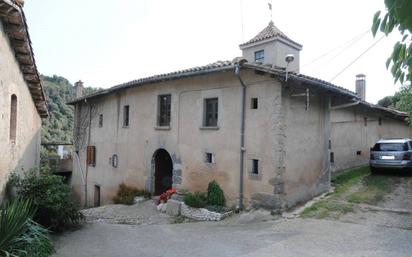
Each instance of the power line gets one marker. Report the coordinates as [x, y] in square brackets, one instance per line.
[357, 58]
[350, 42]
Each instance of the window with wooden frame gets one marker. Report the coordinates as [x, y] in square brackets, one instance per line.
[126, 110]
[13, 118]
[211, 109]
[100, 120]
[91, 155]
[163, 113]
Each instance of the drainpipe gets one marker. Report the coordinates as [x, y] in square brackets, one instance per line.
[242, 135]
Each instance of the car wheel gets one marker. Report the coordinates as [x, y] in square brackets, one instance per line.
[373, 170]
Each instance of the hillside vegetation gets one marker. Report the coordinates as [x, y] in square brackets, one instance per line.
[59, 126]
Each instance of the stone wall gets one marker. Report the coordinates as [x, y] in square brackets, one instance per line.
[23, 153]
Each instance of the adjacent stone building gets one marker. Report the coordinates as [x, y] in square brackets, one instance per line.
[262, 130]
[22, 102]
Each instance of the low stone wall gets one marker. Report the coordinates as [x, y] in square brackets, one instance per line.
[202, 214]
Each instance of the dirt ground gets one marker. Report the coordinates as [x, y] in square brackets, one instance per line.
[383, 199]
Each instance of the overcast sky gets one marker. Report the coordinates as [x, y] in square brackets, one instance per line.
[107, 42]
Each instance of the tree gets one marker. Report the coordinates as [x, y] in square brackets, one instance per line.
[402, 101]
[397, 16]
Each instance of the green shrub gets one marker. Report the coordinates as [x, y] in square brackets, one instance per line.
[126, 194]
[196, 200]
[51, 197]
[215, 195]
[19, 235]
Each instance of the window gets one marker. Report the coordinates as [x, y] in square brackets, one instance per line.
[163, 116]
[126, 109]
[380, 121]
[100, 120]
[114, 161]
[13, 118]
[332, 157]
[253, 103]
[358, 152]
[96, 195]
[209, 158]
[91, 155]
[260, 56]
[210, 112]
[365, 121]
[255, 167]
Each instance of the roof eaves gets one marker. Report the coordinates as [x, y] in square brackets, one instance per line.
[15, 26]
[196, 71]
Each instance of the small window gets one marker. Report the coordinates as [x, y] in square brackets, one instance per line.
[91, 155]
[209, 158]
[260, 56]
[210, 112]
[253, 103]
[115, 161]
[255, 167]
[332, 157]
[330, 144]
[365, 121]
[96, 195]
[164, 104]
[13, 118]
[126, 109]
[380, 121]
[100, 120]
[358, 152]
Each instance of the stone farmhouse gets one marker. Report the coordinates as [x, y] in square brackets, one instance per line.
[267, 134]
[22, 101]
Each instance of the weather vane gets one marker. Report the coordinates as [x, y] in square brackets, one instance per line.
[270, 9]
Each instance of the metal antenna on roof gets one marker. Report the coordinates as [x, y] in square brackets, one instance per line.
[241, 19]
[270, 9]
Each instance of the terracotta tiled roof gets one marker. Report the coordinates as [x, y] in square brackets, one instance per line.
[15, 26]
[269, 32]
[228, 65]
[194, 71]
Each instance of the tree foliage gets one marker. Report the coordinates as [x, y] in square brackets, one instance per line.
[402, 100]
[59, 126]
[398, 16]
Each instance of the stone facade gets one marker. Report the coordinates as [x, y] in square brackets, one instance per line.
[290, 124]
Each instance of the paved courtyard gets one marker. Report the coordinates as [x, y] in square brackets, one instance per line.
[381, 229]
[296, 237]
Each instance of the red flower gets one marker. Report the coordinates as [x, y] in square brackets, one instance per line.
[166, 195]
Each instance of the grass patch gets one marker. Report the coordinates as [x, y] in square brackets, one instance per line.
[345, 181]
[326, 209]
[374, 188]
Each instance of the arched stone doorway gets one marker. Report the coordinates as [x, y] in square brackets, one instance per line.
[163, 175]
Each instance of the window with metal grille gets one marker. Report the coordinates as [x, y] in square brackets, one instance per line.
[13, 118]
[91, 155]
[209, 158]
[100, 120]
[164, 105]
[255, 167]
[380, 121]
[260, 56]
[254, 103]
[126, 109]
[210, 112]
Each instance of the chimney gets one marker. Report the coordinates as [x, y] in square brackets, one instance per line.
[78, 89]
[361, 86]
